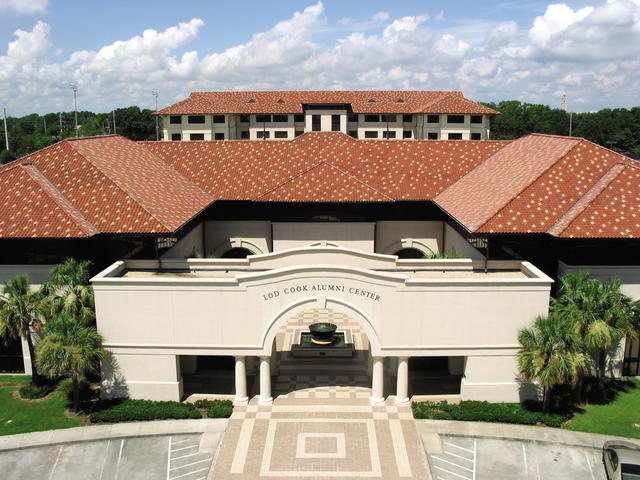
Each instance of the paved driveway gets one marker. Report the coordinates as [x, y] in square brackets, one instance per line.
[464, 458]
[159, 457]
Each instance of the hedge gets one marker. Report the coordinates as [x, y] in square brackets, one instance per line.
[474, 411]
[216, 408]
[137, 410]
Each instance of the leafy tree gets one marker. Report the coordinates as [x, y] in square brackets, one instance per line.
[21, 313]
[601, 314]
[550, 353]
[6, 156]
[70, 347]
[69, 291]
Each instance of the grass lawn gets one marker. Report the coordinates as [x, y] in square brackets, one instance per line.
[615, 418]
[18, 416]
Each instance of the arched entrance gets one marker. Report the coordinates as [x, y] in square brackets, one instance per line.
[321, 375]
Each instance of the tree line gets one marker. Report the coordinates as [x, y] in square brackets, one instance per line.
[618, 128]
[33, 132]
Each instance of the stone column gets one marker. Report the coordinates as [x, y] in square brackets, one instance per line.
[265, 381]
[377, 381]
[241, 380]
[402, 388]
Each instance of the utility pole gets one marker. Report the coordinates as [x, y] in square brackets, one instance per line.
[60, 117]
[155, 94]
[6, 134]
[74, 87]
[44, 124]
[114, 122]
[563, 106]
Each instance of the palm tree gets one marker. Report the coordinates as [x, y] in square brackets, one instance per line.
[551, 353]
[601, 314]
[69, 290]
[21, 313]
[70, 347]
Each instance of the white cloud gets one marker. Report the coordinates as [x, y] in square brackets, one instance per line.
[25, 6]
[590, 53]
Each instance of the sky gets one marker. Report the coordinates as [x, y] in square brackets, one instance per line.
[119, 52]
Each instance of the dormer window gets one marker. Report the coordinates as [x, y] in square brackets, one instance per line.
[372, 100]
[280, 101]
[253, 100]
[399, 100]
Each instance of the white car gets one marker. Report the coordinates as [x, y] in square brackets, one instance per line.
[621, 460]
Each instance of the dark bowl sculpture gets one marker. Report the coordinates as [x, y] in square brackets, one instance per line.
[322, 333]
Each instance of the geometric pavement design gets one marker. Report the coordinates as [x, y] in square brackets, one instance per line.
[321, 424]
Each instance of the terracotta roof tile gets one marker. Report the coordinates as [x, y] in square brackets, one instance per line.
[481, 194]
[385, 101]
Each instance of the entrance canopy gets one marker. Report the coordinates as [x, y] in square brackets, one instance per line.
[236, 306]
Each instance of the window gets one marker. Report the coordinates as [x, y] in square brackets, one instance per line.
[195, 119]
[370, 134]
[262, 134]
[316, 123]
[406, 134]
[263, 118]
[196, 136]
[281, 118]
[244, 134]
[353, 133]
[454, 136]
[244, 118]
[613, 458]
[176, 137]
[412, 253]
[353, 117]
[476, 136]
[175, 119]
[407, 118]
[281, 134]
[476, 118]
[432, 135]
[218, 119]
[389, 117]
[335, 123]
[433, 118]
[455, 118]
[237, 252]
[299, 132]
[388, 134]
[218, 136]
[298, 118]
[371, 118]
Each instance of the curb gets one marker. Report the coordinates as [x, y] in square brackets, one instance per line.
[506, 431]
[111, 431]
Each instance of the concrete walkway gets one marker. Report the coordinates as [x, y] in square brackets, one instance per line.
[429, 431]
[211, 428]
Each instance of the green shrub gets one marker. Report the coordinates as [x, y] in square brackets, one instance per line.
[33, 392]
[474, 411]
[216, 408]
[138, 410]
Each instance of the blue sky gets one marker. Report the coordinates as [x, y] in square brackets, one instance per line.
[493, 50]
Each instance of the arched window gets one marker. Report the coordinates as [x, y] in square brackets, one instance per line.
[237, 253]
[412, 253]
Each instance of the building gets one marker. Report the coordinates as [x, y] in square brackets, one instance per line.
[383, 115]
[323, 227]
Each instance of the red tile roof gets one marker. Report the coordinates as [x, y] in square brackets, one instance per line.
[566, 187]
[360, 101]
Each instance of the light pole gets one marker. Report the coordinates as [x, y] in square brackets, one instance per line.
[155, 94]
[74, 87]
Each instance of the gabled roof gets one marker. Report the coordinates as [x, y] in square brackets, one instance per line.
[565, 187]
[385, 101]
[101, 185]
[545, 184]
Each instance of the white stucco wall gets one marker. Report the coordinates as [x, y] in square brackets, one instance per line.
[222, 236]
[392, 236]
[356, 236]
[239, 313]
[188, 246]
[456, 243]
